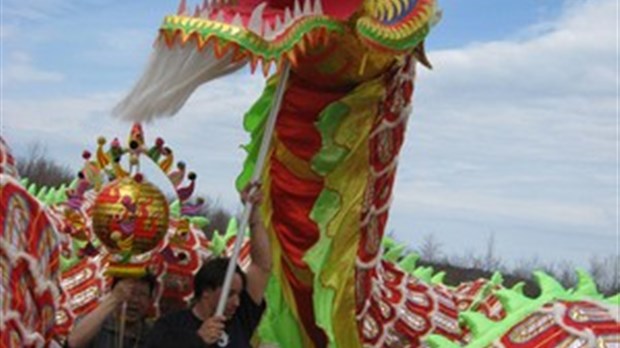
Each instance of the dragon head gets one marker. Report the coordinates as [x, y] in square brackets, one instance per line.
[326, 42]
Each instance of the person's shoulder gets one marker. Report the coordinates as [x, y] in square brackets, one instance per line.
[180, 317]
[175, 329]
[250, 310]
[175, 316]
[180, 313]
[247, 300]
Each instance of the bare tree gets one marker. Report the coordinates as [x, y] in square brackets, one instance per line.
[41, 170]
[491, 261]
[524, 267]
[218, 217]
[565, 274]
[430, 250]
[605, 271]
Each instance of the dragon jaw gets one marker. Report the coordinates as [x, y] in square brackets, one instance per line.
[268, 17]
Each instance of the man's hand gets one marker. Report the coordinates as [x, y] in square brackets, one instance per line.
[211, 329]
[252, 193]
[90, 325]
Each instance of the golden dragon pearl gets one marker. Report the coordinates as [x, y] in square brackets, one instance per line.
[130, 216]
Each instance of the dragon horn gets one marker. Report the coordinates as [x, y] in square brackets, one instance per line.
[420, 55]
[166, 163]
[102, 157]
[186, 192]
[177, 176]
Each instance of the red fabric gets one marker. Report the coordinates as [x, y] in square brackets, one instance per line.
[300, 110]
[293, 198]
[600, 327]
[367, 237]
[292, 201]
[549, 338]
[598, 320]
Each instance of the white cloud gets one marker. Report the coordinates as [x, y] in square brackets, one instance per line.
[577, 57]
[519, 130]
[20, 69]
[54, 116]
[206, 134]
[472, 202]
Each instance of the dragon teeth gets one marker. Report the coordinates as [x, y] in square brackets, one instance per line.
[288, 17]
[279, 23]
[206, 9]
[209, 9]
[237, 21]
[256, 19]
[297, 10]
[182, 11]
[301, 9]
[318, 7]
[205, 13]
[307, 7]
[268, 31]
[220, 16]
[271, 32]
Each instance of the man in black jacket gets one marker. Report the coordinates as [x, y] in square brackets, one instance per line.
[198, 326]
[100, 327]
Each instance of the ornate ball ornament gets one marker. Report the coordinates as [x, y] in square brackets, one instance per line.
[130, 217]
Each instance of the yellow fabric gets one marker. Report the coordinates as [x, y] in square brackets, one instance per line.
[350, 180]
[296, 165]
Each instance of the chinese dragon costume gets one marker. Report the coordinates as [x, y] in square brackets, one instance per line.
[338, 281]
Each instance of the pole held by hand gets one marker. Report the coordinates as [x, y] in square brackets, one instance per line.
[258, 169]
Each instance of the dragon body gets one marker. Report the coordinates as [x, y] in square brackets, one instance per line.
[334, 152]
[55, 264]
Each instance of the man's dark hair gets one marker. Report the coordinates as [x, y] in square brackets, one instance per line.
[147, 278]
[212, 274]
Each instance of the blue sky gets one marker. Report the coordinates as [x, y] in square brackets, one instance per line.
[514, 133]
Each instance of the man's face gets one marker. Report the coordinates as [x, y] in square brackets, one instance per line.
[140, 301]
[210, 298]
